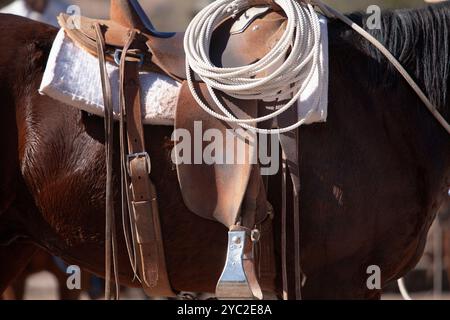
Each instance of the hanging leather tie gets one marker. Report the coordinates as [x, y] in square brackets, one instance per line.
[110, 227]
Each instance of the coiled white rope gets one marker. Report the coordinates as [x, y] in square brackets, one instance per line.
[289, 66]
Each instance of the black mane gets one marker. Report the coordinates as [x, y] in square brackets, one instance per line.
[419, 38]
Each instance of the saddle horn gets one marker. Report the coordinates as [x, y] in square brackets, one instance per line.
[130, 14]
[125, 13]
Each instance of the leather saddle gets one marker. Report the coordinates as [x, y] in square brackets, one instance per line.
[163, 52]
[232, 194]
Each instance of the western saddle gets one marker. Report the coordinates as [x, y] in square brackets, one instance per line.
[233, 195]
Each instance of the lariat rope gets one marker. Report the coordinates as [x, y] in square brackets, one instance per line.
[297, 53]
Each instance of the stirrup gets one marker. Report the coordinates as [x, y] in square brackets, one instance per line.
[239, 279]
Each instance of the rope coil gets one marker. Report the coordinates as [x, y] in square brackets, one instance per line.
[289, 66]
[302, 37]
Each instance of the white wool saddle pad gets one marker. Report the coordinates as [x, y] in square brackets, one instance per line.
[72, 76]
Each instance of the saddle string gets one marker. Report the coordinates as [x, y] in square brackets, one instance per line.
[131, 248]
[115, 258]
[296, 220]
[284, 228]
[110, 227]
[129, 65]
[127, 224]
[127, 221]
[291, 170]
[111, 254]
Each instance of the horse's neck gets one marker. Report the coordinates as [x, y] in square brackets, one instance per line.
[398, 120]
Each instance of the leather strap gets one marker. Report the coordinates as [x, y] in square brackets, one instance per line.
[290, 150]
[110, 228]
[291, 161]
[284, 227]
[253, 214]
[265, 254]
[142, 229]
[143, 198]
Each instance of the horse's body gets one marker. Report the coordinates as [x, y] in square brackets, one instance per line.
[372, 177]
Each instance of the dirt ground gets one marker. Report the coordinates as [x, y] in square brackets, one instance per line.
[43, 286]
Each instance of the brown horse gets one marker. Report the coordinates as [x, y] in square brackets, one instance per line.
[372, 177]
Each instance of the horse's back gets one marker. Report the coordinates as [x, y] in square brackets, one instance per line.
[24, 43]
[16, 28]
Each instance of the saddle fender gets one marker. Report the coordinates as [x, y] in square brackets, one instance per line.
[217, 192]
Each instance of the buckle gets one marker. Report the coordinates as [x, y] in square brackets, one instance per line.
[133, 156]
[118, 57]
[255, 235]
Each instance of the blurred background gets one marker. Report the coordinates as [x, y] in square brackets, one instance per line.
[174, 15]
[46, 276]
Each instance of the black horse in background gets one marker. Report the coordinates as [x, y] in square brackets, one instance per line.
[372, 177]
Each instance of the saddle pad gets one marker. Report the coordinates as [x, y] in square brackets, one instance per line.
[317, 90]
[72, 76]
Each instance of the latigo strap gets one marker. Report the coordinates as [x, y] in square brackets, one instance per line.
[139, 200]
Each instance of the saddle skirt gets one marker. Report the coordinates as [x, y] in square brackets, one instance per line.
[72, 77]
